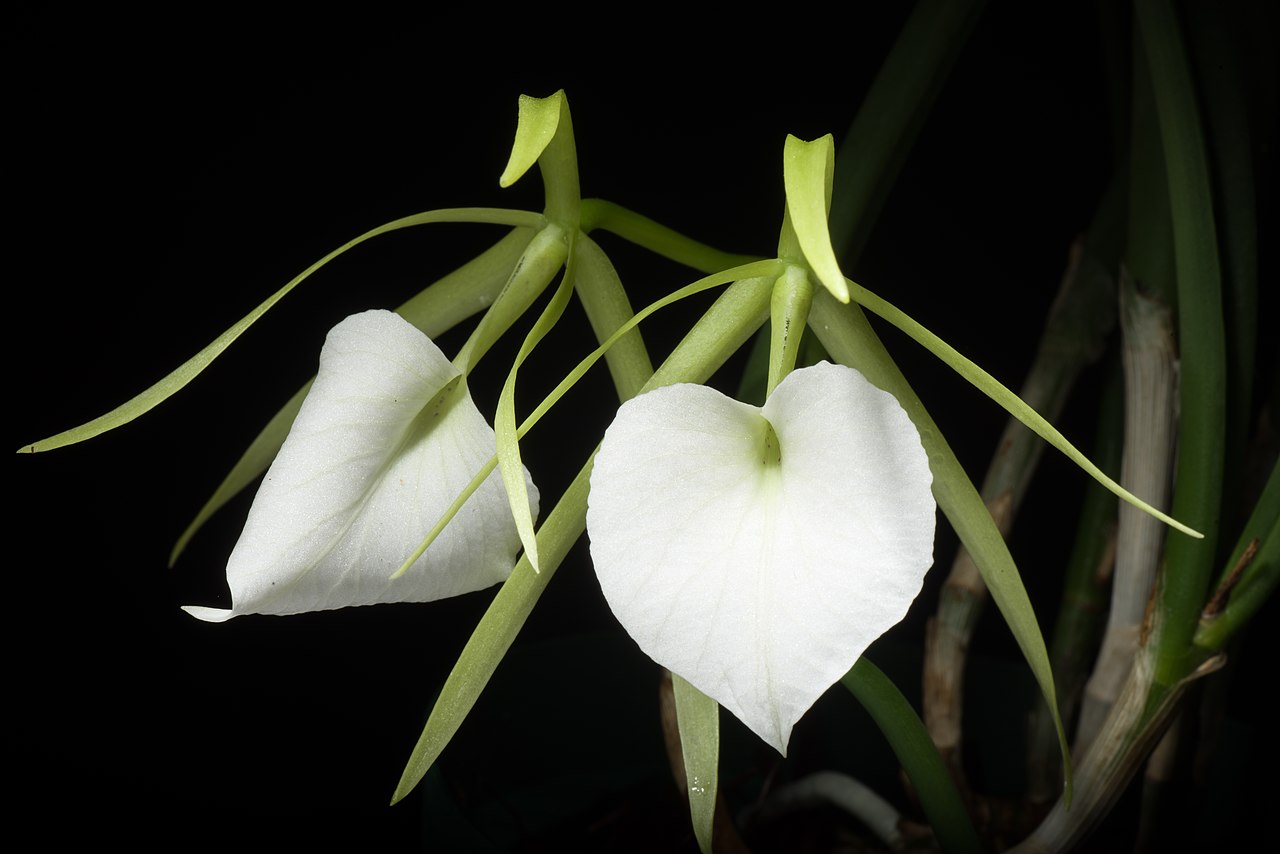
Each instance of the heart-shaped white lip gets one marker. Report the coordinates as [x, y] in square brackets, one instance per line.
[757, 552]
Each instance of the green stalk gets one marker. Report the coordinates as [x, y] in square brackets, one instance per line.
[895, 717]
[657, 238]
[605, 301]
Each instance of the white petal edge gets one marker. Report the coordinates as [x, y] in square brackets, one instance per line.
[762, 585]
[383, 444]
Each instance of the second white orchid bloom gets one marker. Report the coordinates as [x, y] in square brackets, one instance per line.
[757, 552]
[386, 440]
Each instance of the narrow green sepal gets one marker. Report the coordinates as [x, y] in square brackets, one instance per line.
[1009, 401]
[193, 367]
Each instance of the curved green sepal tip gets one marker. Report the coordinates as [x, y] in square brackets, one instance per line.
[539, 119]
[807, 172]
[189, 370]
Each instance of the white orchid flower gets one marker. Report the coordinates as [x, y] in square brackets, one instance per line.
[757, 552]
[386, 440]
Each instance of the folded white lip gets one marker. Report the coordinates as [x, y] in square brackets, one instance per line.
[386, 440]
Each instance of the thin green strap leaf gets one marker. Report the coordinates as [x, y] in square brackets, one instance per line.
[847, 335]
[504, 426]
[714, 338]
[1011, 403]
[437, 308]
[192, 368]
[698, 717]
[1201, 335]
[901, 726]
[807, 172]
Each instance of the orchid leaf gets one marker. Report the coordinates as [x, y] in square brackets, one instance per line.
[758, 551]
[384, 438]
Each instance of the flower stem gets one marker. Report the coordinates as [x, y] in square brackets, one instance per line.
[652, 235]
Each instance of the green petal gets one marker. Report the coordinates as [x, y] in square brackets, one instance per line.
[539, 118]
[508, 442]
[807, 172]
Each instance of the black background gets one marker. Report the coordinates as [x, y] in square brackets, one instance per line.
[165, 175]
